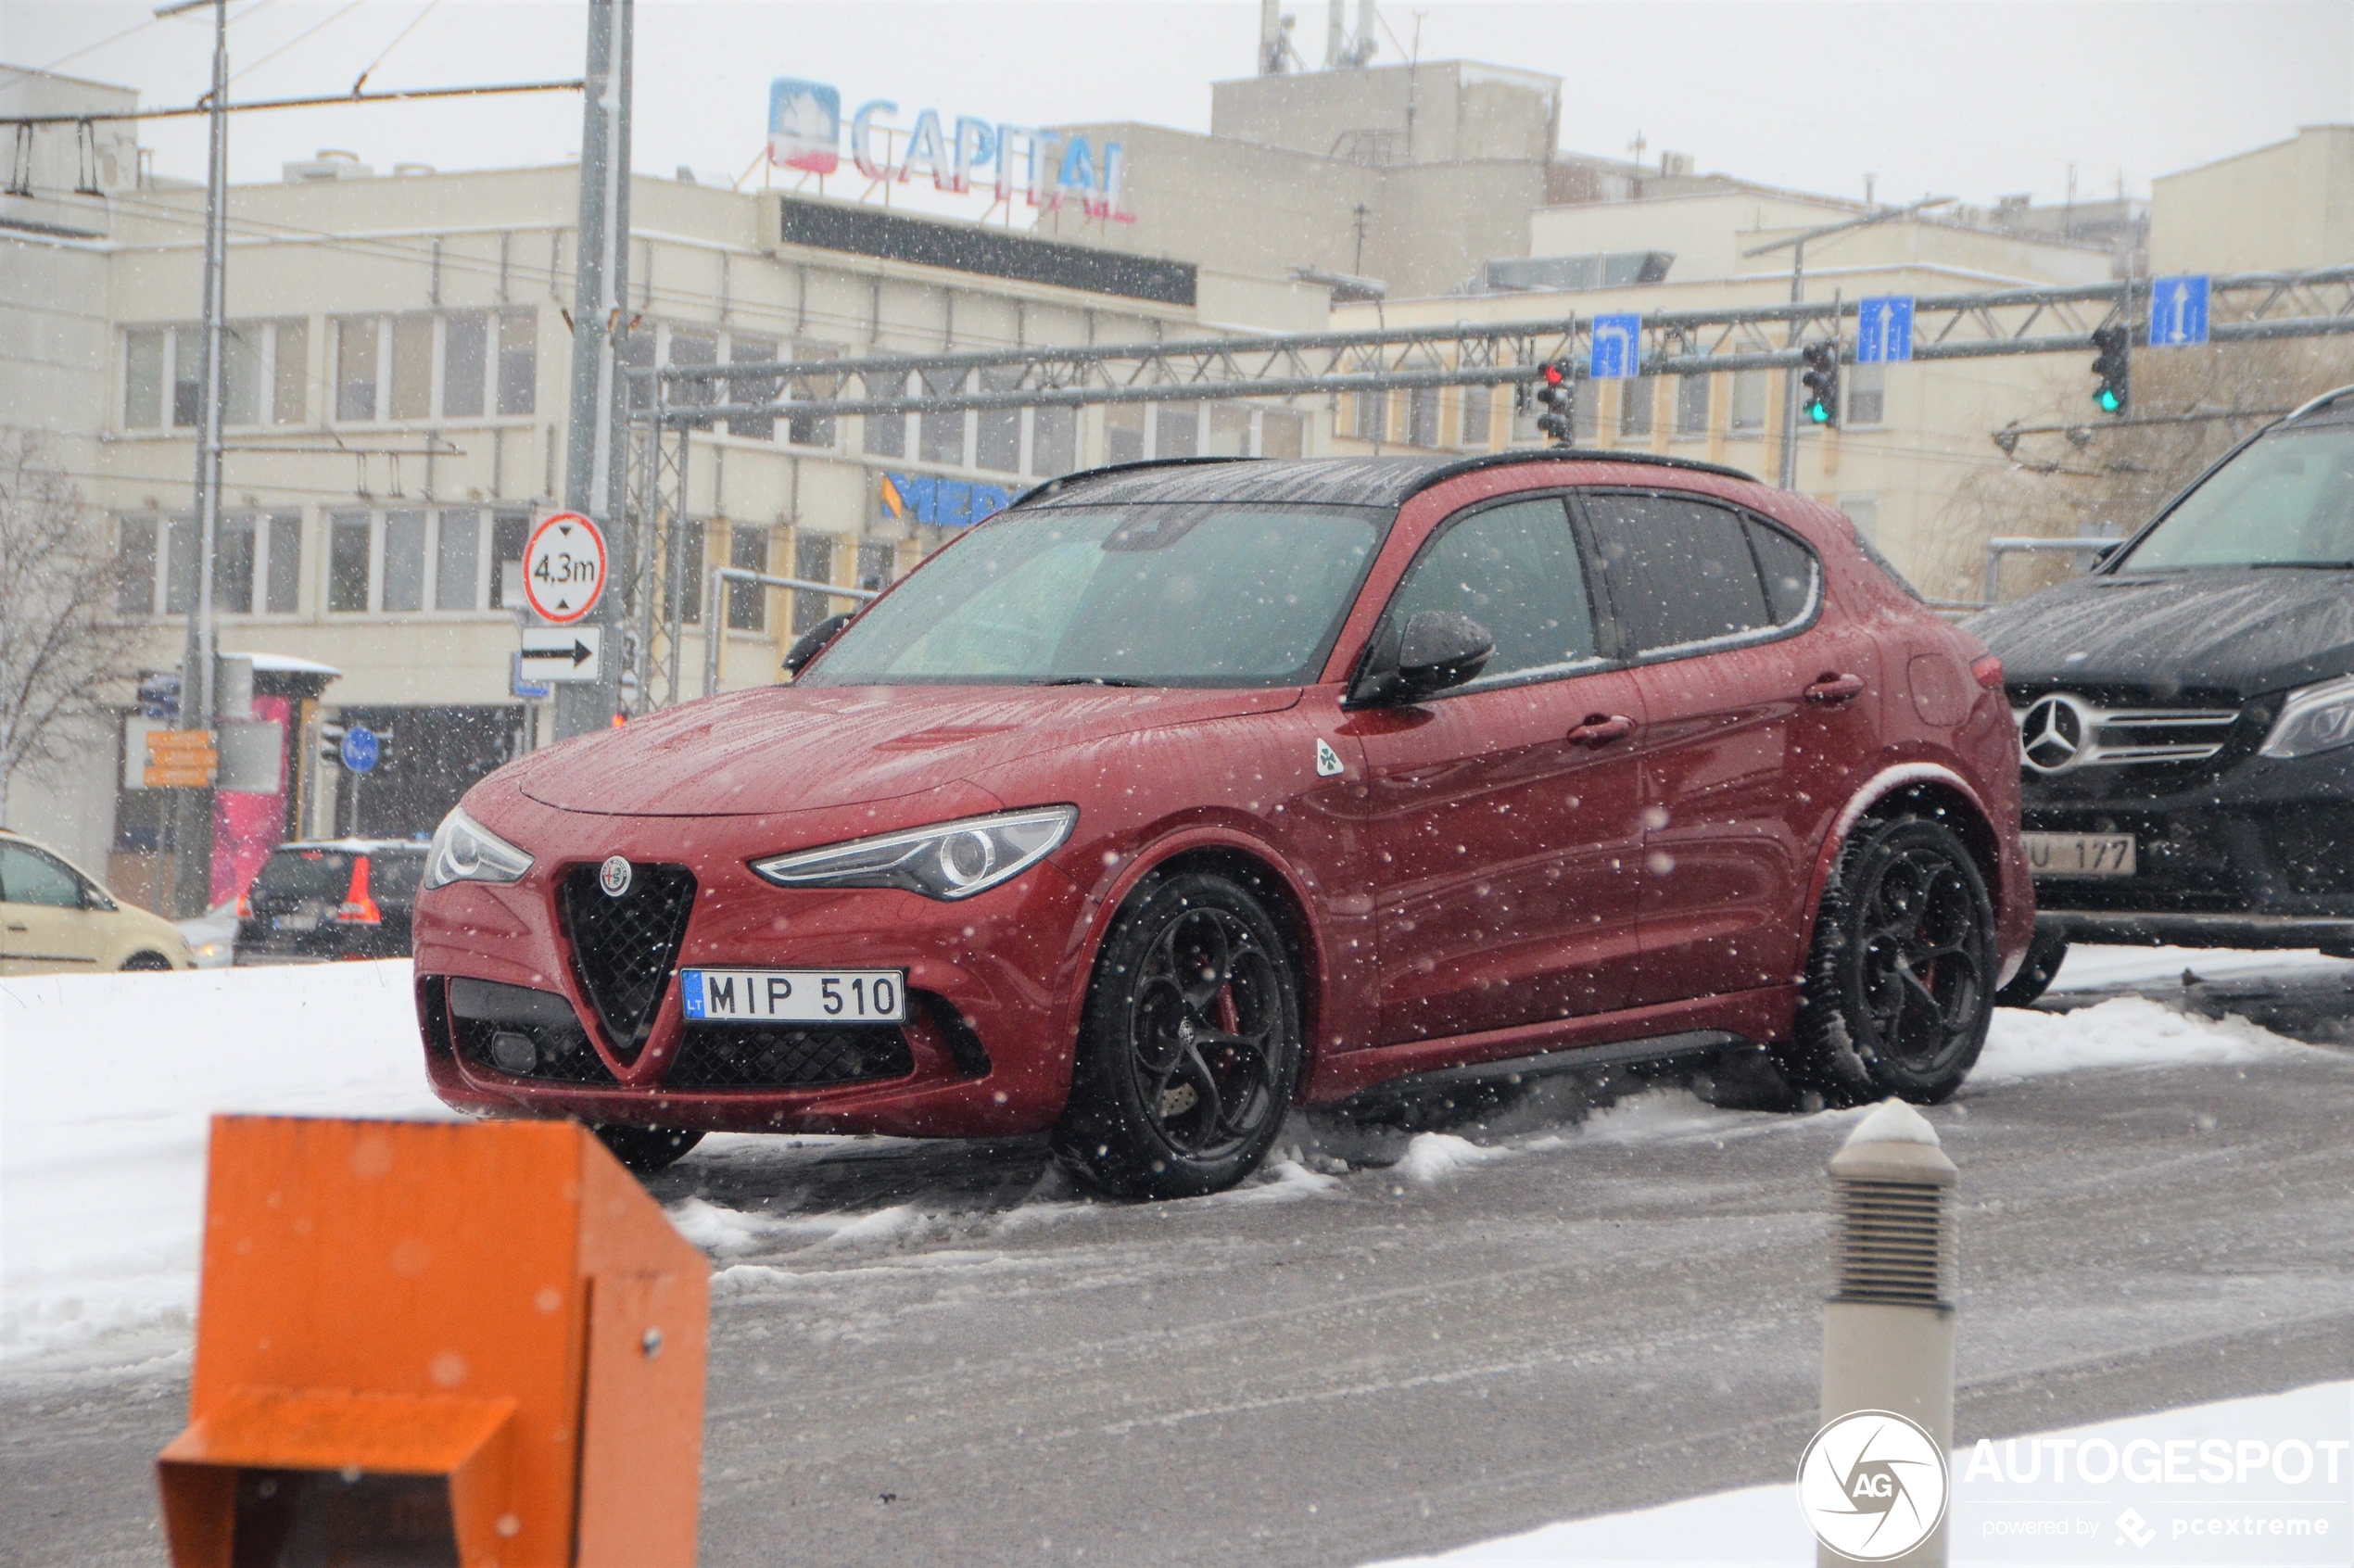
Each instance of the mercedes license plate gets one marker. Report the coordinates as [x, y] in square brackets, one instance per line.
[2079, 855]
[795, 995]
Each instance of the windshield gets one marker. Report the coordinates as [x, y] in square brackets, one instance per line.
[2287, 501]
[1198, 594]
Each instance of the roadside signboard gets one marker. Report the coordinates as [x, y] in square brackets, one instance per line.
[564, 568]
[555, 654]
[181, 759]
[523, 689]
[1884, 329]
[1618, 348]
[2178, 311]
[361, 749]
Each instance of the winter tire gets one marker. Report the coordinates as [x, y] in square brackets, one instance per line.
[647, 1149]
[2044, 955]
[1899, 986]
[146, 962]
[1190, 1045]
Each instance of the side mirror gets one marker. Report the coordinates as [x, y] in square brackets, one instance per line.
[1438, 649]
[2101, 556]
[811, 643]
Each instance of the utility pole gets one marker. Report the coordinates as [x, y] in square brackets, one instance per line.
[594, 451]
[1788, 472]
[192, 808]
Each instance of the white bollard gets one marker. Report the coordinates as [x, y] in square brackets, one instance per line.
[1888, 1331]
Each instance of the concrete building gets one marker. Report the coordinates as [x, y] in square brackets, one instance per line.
[2290, 204]
[395, 378]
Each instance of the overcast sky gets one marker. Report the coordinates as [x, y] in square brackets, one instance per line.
[1978, 100]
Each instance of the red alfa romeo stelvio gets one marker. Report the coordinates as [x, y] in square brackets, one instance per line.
[1177, 795]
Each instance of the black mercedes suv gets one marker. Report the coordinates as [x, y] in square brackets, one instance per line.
[2186, 713]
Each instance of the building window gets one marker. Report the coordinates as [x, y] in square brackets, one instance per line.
[748, 602]
[1691, 405]
[402, 581]
[813, 562]
[283, 558]
[1476, 402]
[817, 430]
[1749, 402]
[1281, 434]
[1176, 431]
[746, 349]
[997, 432]
[878, 560]
[1422, 417]
[262, 374]
[408, 559]
[510, 532]
[693, 346]
[1124, 433]
[1585, 413]
[1867, 394]
[886, 435]
[457, 559]
[637, 352]
[1637, 399]
[1369, 415]
[691, 582]
[1228, 430]
[385, 366]
[940, 437]
[348, 562]
[135, 562]
[1054, 441]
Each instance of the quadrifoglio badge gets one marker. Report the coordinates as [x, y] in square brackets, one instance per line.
[1874, 1486]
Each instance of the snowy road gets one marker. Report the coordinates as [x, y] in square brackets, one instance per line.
[938, 1351]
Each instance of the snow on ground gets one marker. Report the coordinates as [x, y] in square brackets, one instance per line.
[106, 1086]
[2097, 968]
[107, 1082]
[2048, 1516]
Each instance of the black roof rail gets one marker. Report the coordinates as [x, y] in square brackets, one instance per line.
[1581, 454]
[1056, 485]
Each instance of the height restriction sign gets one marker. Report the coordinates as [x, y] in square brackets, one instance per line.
[564, 567]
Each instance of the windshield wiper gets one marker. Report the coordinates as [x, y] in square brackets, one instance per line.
[1093, 680]
[2306, 565]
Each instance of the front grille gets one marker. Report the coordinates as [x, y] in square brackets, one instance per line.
[2311, 847]
[522, 1033]
[767, 1056]
[2062, 731]
[623, 948]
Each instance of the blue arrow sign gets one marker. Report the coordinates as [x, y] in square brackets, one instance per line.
[1618, 348]
[2178, 311]
[1884, 329]
[359, 748]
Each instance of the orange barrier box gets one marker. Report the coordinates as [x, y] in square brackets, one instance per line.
[430, 1343]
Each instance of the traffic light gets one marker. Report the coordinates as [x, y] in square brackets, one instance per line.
[1819, 383]
[2113, 365]
[1558, 393]
[331, 743]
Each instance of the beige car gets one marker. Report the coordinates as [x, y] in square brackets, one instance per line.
[56, 919]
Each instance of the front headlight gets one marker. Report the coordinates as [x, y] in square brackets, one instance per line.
[464, 851]
[951, 860]
[2314, 720]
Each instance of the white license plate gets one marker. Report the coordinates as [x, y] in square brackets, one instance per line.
[795, 995]
[295, 923]
[2079, 855]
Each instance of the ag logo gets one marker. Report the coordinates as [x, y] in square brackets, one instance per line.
[613, 876]
[1873, 1485]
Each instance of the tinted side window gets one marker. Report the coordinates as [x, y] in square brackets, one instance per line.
[1679, 571]
[1790, 570]
[1514, 569]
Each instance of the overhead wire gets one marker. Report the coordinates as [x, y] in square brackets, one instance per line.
[431, 6]
[317, 27]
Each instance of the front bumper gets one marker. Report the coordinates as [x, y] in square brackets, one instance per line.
[987, 1049]
[2257, 854]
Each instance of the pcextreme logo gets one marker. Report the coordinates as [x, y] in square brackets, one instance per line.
[1874, 1486]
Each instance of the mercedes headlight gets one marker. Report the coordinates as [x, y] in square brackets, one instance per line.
[464, 851]
[950, 860]
[2314, 720]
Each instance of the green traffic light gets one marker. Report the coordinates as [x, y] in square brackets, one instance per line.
[1819, 412]
[2107, 399]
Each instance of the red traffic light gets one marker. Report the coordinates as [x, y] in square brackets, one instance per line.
[1555, 375]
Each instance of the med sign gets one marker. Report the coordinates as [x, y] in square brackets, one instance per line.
[959, 154]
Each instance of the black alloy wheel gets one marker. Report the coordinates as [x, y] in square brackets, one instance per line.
[1191, 1046]
[2040, 966]
[644, 1150]
[1900, 985]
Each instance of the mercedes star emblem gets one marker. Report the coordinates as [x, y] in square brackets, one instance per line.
[2055, 735]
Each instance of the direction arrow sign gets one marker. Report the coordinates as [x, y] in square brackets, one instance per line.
[564, 567]
[1618, 348]
[562, 653]
[1884, 329]
[2178, 311]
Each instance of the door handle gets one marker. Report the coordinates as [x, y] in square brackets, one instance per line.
[1835, 688]
[1600, 729]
